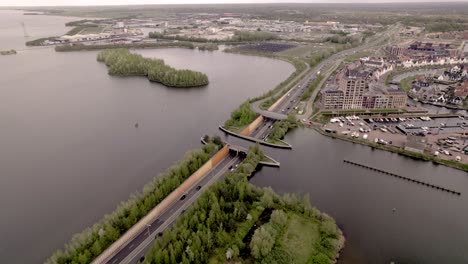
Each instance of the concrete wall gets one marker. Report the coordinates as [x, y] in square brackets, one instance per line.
[161, 207]
[272, 107]
[251, 127]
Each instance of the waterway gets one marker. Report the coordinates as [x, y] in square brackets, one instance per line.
[70, 152]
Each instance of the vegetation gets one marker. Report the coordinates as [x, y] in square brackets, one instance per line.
[282, 127]
[253, 36]
[313, 85]
[77, 47]
[216, 228]
[88, 22]
[209, 47]
[121, 62]
[87, 245]
[240, 117]
[38, 42]
[446, 26]
[78, 29]
[8, 52]
[159, 35]
[405, 84]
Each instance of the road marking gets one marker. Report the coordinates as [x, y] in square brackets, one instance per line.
[132, 245]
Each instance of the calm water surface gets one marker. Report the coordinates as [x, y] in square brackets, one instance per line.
[428, 226]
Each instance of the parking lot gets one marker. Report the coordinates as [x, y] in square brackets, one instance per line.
[445, 136]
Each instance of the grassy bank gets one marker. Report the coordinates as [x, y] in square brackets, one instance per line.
[410, 154]
[90, 243]
[234, 221]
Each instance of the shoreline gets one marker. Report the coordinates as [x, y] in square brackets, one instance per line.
[407, 154]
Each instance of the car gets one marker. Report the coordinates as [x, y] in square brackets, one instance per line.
[198, 187]
[183, 197]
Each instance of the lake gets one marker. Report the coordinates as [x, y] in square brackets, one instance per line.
[71, 152]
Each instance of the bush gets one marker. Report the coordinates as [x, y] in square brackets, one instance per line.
[240, 117]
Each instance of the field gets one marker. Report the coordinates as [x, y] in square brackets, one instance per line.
[300, 237]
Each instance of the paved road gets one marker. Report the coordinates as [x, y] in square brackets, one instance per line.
[141, 244]
[295, 93]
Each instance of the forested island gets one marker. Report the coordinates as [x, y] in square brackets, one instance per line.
[121, 62]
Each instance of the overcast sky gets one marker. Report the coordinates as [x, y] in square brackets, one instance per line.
[140, 2]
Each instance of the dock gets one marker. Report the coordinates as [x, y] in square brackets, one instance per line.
[403, 178]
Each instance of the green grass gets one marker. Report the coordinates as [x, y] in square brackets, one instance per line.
[92, 30]
[405, 84]
[356, 56]
[300, 237]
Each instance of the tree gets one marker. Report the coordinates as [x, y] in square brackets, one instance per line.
[262, 242]
[278, 219]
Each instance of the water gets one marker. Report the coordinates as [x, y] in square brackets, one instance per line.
[428, 226]
[70, 152]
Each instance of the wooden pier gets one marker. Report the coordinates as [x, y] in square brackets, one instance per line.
[404, 178]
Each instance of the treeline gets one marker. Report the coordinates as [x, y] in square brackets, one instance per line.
[312, 86]
[240, 117]
[215, 228]
[340, 39]
[239, 36]
[87, 22]
[77, 47]
[446, 26]
[90, 243]
[253, 36]
[122, 62]
[282, 127]
[209, 47]
[159, 35]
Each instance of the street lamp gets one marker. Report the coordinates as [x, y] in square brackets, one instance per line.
[148, 226]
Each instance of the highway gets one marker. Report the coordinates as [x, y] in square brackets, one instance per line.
[295, 93]
[135, 249]
[141, 244]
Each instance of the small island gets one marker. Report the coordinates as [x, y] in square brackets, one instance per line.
[121, 62]
[8, 52]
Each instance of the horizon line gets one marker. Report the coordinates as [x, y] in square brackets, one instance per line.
[253, 3]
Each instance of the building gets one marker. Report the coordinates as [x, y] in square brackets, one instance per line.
[356, 87]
